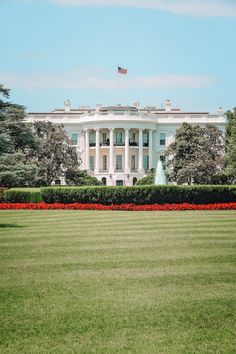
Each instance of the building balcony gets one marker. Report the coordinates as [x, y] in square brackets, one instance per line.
[133, 143]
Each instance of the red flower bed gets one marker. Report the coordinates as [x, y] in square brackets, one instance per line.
[78, 206]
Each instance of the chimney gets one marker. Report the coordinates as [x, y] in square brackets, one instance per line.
[67, 106]
[168, 106]
[137, 104]
[98, 107]
[220, 111]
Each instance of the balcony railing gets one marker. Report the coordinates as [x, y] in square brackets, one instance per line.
[119, 144]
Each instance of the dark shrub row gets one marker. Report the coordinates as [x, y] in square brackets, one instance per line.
[141, 194]
[24, 195]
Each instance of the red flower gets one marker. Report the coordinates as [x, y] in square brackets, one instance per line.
[79, 206]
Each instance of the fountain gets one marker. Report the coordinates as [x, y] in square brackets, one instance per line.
[160, 177]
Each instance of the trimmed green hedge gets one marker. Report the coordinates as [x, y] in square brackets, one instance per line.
[140, 194]
[23, 195]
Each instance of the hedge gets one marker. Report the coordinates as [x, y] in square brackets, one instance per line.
[141, 195]
[23, 195]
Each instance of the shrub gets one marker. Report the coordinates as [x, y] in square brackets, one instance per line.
[2, 191]
[24, 195]
[149, 179]
[140, 195]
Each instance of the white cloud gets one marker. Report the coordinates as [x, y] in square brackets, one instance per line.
[223, 8]
[80, 82]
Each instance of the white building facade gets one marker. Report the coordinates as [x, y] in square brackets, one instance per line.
[119, 144]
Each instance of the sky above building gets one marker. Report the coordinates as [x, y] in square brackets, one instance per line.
[182, 50]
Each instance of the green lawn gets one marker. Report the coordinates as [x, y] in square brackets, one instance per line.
[117, 282]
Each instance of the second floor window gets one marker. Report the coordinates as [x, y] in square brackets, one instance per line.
[104, 138]
[145, 137]
[118, 137]
[162, 139]
[92, 138]
[74, 138]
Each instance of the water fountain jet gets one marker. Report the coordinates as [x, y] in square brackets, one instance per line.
[160, 177]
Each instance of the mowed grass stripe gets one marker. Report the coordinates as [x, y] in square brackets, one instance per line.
[117, 282]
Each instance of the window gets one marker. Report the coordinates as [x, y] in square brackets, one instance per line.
[133, 163]
[118, 137]
[92, 139]
[118, 162]
[74, 138]
[91, 162]
[145, 138]
[119, 183]
[104, 138]
[104, 162]
[146, 162]
[162, 138]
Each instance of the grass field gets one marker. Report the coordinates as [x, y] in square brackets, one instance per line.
[117, 282]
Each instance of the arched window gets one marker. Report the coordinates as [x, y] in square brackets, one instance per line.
[135, 181]
[104, 181]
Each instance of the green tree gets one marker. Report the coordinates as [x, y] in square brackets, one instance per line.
[197, 155]
[231, 144]
[17, 144]
[56, 156]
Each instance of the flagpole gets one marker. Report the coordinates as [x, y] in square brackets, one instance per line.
[117, 92]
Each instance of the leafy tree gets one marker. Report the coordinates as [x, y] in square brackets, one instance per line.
[17, 144]
[196, 155]
[231, 143]
[55, 156]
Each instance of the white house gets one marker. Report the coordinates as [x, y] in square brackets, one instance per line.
[118, 144]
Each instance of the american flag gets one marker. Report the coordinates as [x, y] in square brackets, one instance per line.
[122, 70]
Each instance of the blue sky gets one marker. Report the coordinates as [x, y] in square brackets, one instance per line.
[183, 50]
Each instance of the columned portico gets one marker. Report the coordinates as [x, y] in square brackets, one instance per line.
[87, 167]
[97, 155]
[127, 168]
[140, 162]
[150, 150]
[111, 156]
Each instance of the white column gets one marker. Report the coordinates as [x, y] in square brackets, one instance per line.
[127, 168]
[97, 155]
[140, 162]
[111, 155]
[150, 149]
[87, 149]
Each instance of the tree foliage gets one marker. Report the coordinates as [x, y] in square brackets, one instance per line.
[231, 143]
[17, 144]
[197, 154]
[55, 156]
[81, 178]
